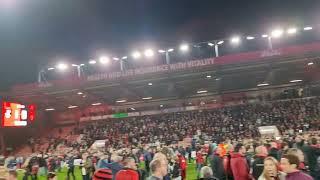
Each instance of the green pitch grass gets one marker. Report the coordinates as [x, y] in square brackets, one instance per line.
[191, 174]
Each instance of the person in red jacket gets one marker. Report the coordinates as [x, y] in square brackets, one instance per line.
[200, 162]
[239, 166]
[129, 172]
[183, 166]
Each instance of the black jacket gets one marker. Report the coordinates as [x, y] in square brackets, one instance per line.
[257, 166]
[176, 170]
[312, 153]
[217, 167]
[274, 152]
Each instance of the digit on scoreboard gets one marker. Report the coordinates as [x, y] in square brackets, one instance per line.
[15, 114]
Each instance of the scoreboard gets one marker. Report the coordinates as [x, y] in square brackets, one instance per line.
[17, 115]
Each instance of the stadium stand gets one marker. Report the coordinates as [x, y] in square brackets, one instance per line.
[197, 115]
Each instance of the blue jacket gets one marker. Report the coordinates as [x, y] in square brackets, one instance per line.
[115, 167]
[102, 164]
[147, 156]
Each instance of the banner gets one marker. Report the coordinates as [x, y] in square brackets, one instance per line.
[146, 113]
[223, 60]
[120, 115]
[269, 131]
[152, 69]
[191, 108]
[172, 110]
[132, 114]
[98, 144]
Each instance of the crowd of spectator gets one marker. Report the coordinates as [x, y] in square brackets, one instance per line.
[224, 144]
[261, 159]
[234, 122]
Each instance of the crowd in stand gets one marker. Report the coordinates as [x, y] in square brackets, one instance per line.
[224, 144]
[234, 122]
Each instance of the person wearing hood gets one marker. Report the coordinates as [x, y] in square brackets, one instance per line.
[239, 165]
[258, 163]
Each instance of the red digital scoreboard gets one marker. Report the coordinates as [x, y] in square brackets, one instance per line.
[17, 115]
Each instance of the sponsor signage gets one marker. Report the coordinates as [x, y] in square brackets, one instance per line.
[223, 60]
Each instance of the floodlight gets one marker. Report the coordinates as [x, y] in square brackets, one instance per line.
[220, 42]
[71, 107]
[96, 104]
[149, 53]
[104, 60]
[184, 47]
[307, 28]
[277, 33]
[235, 40]
[202, 91]
[62, 66]
[296, 80]
[292, 30]
[147, 98]
[136, 54]
[263, 84]
[92, 62]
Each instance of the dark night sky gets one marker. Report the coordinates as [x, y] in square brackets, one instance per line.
[34, 33]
